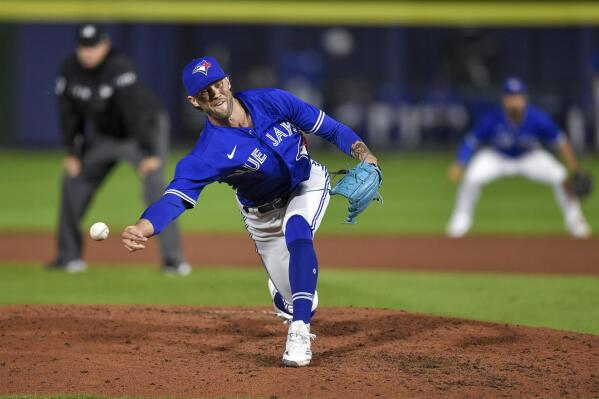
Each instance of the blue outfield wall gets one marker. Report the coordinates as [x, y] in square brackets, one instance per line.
[390, 65]
[41, 49]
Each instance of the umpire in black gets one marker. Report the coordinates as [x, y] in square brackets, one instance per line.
[107, 115]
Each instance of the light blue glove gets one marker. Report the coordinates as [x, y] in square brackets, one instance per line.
[360, 186]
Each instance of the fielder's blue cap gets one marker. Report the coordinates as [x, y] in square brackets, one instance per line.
[201, 72]
[513, 85]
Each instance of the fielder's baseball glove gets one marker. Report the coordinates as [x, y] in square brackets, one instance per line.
[360, 186]
[581, 184]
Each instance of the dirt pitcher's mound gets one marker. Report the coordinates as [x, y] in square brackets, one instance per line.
[209, 352]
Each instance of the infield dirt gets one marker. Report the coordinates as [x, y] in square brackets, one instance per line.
[177, 352]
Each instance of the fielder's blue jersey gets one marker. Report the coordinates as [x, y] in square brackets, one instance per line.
[513, 140]
[261, 163]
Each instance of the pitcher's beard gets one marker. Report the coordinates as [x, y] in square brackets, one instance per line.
[229, 106]
[227, 114]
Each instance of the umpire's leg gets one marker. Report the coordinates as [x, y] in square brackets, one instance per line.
[153, 188]
[76, 195]
[170, 245]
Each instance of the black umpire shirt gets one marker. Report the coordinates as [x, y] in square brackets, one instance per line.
[108, 100]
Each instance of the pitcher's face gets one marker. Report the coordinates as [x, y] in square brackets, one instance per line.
[215, 99]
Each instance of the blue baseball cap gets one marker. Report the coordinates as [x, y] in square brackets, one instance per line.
[513, 85]
[201, 72]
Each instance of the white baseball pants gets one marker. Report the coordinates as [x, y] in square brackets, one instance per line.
[309, 200]
[488, 165]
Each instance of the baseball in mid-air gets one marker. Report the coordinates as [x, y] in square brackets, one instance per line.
[99, 231]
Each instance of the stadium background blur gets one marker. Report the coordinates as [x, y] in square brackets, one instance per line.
[404, 87]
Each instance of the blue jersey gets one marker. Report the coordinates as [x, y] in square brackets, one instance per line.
[513, 140]
[263, 162]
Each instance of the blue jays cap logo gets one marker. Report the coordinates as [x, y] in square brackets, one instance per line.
[202, 67]
[195, 75]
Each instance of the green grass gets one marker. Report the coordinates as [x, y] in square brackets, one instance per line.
[562, 302]
[418, 199]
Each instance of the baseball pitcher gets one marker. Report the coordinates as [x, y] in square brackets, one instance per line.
[511, 137]
[254, 142]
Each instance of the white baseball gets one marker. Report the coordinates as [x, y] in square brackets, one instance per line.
[99, 231]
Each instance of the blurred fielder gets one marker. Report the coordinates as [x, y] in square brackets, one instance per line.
[511, 137]
[107, 115]
[253, 141]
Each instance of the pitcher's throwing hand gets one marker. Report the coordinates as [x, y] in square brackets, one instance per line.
[134, 237]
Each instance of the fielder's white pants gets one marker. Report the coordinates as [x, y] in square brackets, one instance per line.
[488, 165]
[309, 200]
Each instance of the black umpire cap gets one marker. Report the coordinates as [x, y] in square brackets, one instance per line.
[90, 34]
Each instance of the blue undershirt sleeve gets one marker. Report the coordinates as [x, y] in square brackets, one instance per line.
[337, 133]
[312, 120]
[162, 212]
[191, 176]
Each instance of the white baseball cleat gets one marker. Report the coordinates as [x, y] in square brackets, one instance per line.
[298, 352]
[579, 228]
[287, 312]
[459, 225]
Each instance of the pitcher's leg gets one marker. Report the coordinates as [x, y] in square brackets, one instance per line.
[304, 213]
[303, 216]
[266, 232]
[303, 274]
[303, 267]
[271, 247]
[309, 202]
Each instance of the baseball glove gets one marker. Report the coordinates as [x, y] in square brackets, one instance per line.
[581, 184]
[360, 186]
